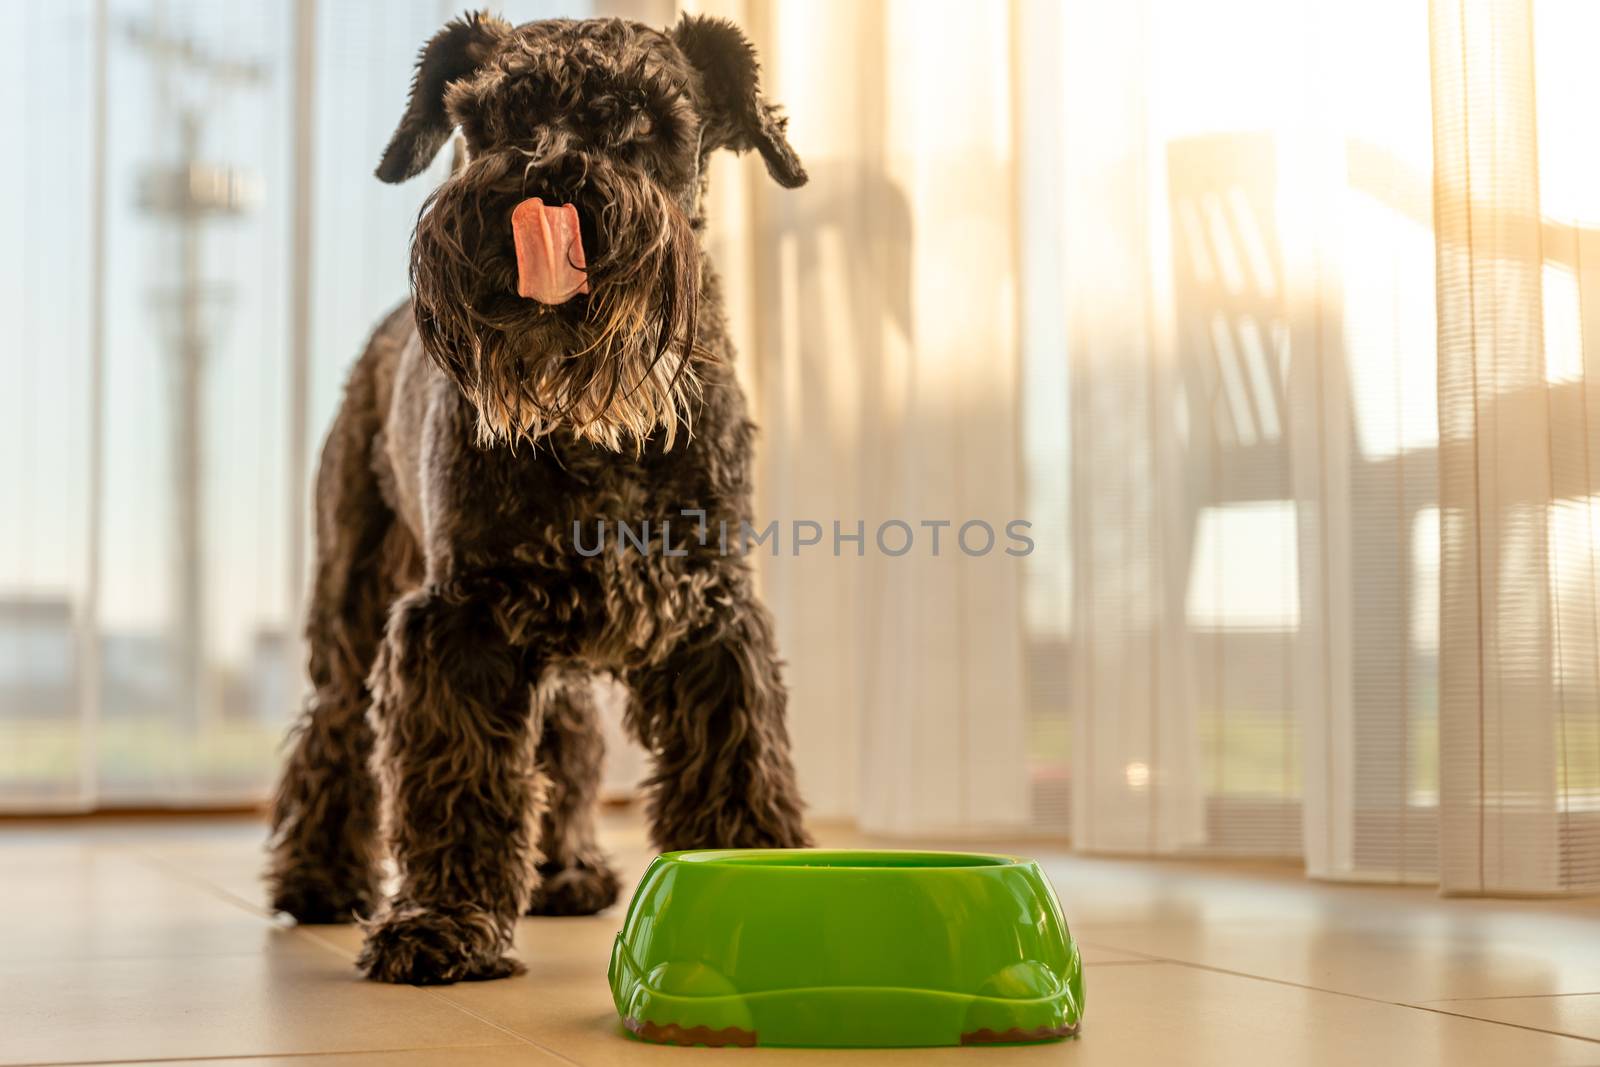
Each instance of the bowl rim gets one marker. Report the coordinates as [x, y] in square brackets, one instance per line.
[814, 860]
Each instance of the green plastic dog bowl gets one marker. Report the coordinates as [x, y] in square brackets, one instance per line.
[832, 949]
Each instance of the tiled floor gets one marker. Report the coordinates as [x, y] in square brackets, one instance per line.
[125, 941]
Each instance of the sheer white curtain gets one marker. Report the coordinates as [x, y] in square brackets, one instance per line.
[1201, 240]
[1070, 261]
[1271, 543]
[143, 480]
[878, 305]
[1516, 190]
[1248, 290]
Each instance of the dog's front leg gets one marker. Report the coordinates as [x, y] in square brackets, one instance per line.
[461, 793]
[713, 714]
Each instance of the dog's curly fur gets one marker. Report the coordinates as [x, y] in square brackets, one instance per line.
[453, 626]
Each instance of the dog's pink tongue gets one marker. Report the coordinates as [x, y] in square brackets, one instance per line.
[550, 265]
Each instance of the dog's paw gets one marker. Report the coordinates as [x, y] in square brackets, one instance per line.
[415, 946]
[582, 889]
[321, 900]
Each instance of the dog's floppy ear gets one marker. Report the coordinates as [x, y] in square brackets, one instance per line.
[730, 73]
[454, 52]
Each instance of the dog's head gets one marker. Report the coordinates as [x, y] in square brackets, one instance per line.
[555, 273]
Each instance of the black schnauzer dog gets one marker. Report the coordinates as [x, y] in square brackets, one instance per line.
[563, 360]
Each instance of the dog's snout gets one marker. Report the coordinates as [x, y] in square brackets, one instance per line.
[550, 260]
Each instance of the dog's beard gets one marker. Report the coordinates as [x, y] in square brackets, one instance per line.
[615, 377]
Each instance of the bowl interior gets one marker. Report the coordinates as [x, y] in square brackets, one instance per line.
[842, 858]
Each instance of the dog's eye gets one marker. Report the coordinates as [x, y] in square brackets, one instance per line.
[643, 126]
